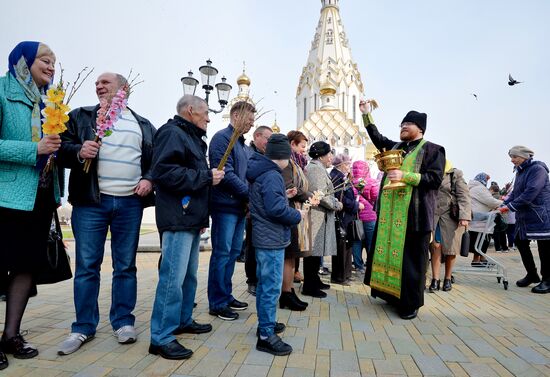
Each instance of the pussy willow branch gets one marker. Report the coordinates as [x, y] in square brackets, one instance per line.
[76, 84]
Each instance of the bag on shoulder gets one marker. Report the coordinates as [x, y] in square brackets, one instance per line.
[357, 232]
[58, 264]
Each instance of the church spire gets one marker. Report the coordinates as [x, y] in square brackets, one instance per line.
[330, 86]
[329, 3]
[329, 52]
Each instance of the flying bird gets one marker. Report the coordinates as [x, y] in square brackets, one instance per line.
[512, 81]
[475, 95]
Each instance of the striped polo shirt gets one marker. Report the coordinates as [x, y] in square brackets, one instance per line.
[119, 161]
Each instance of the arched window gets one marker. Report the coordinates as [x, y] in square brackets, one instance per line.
[329, 37]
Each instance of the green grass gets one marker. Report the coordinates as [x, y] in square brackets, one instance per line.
[68, 233]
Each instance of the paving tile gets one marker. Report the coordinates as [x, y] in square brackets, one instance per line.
[530, 355]
[388, 367]
[431, 365]
[298, 372]
[448, 352]
[478, 370]
[253, 371]
[369, 350]
[344, 361]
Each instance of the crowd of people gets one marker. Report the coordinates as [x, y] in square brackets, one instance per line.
[294, 203]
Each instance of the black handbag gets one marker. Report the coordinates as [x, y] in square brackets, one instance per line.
[465, 244]
[357, 232]
[58, 264]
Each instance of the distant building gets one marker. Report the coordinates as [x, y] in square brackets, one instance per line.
[330, 88]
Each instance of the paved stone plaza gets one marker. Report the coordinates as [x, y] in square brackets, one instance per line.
[477, 329]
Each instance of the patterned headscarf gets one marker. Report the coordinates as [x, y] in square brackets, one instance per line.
[482, 178]
[20, 61]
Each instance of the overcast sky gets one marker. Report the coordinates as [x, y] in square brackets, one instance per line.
[427, 55]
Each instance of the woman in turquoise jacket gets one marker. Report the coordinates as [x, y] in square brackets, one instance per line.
[28, 196]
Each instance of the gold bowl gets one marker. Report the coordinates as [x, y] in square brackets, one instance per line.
[390, 160]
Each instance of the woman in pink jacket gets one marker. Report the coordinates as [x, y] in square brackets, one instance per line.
[366, 190]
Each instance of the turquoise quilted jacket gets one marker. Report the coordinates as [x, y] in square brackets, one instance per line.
[18, 175]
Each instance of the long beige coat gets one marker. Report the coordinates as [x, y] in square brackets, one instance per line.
[322, 216]
[451, 233]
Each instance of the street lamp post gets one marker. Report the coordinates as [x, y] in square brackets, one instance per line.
[208, 78]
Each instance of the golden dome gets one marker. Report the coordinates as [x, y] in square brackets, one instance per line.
[275, 128]
[327, 88]
[243, 80]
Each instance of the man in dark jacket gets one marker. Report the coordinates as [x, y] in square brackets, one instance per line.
[261, 136]
[182, 181]
[228, 205]
[530, 201]
[397, 261]
[272, 218]
[110, 197]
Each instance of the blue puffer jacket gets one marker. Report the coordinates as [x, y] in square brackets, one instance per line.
[271, 215]
[231, 194]
[530, 200]
[18, 172]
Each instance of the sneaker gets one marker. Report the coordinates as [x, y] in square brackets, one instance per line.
[225, 313]
[252, 289]
[126, 334]
[273, 345]
[73, 342]
[323, 271]
[238, 305]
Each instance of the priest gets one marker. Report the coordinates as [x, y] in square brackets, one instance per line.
[398, 256]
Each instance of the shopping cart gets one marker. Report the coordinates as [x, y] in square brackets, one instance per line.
[493, 267]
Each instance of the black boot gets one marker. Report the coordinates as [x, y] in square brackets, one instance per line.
[447, 286]
[288, 301]
[527, 280]
[434, 286]
[297, 298]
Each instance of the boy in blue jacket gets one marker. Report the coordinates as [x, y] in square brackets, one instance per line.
[271, 220]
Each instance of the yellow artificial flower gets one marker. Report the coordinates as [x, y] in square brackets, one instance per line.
[64, 108]
[55, 95]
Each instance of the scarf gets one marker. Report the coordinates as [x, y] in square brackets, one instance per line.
[482, 178]
[299, 159]
[19, 62]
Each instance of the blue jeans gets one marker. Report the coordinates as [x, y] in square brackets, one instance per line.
[177, 285]
[227, 240]
[357, 247]
[269, 270]
[122, 216]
